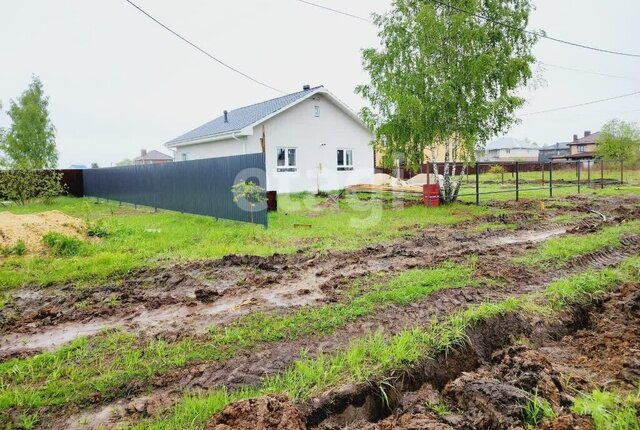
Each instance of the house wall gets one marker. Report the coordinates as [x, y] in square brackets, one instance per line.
[590, 147]
[512, 154]
[316, 140]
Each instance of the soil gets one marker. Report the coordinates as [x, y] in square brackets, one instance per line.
[184, 299]
[30, 228]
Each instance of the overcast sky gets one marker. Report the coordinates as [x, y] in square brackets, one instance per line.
[118, 82]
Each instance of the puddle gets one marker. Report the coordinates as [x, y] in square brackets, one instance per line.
[529, 236]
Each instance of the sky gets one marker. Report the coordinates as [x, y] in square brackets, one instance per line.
[119, 83]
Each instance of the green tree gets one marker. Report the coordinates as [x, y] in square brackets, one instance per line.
[125, 162]
[30, 141]
[619, 140]
[444, 77]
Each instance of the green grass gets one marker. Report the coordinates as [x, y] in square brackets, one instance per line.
[537, 410]
[61, 245]
[610, 411]
[135, 238]
[102, 367]
[559, 251]
[374, 356]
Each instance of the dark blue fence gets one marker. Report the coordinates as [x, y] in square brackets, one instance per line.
[200, 187]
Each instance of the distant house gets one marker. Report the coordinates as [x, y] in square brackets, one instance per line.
[549, 152]
[78, 166]
[583, 148]
[311, 141]
[152, 157]
[509, 149]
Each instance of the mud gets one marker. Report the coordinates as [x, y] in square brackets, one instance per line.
[597, 348]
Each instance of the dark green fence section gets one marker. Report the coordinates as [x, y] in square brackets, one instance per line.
[200, 187]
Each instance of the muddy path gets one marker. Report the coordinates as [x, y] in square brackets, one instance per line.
[485, 385]
[187, 298]
[250, 367]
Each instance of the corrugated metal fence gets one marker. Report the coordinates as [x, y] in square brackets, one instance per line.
[200, 187]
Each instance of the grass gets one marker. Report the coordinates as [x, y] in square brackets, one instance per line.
[376, 355]
[135, 238]
[103, 366]
[537, 410]
[610, 411]
[557, 252]
[61, 245]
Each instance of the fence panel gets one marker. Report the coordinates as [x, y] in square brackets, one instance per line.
[200, 187]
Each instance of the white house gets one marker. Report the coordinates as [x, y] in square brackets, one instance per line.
[509, 149]
[312, 141]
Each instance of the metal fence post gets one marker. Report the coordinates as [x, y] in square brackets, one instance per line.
[477, 184]
[589, 171]
[579, 173]
[601, 174]
[550, 178]
[517, 181]
[621, 172]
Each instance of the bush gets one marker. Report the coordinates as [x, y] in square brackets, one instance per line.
[18, 248]
[22, 186]
[61, 245]
[497, 170]
[97, 229]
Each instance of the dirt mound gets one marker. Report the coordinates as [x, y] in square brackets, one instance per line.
[31, 227]
[264, 413]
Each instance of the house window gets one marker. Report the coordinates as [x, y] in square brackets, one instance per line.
[317, 110]
[287, 160]
[508, 151]
[345, 159]
[185, 156]
[582, 148]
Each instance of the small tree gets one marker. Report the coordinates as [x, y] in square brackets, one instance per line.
[250, 192]
[22, 186]
[444, 78]
[125, 162]
[30, 141]
[497, 170]
[619, 140]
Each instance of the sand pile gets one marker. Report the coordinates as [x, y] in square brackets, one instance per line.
[31, 227]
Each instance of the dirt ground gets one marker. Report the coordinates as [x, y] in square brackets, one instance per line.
[30, 228]
[185, 299]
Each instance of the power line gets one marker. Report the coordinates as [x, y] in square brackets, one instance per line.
[211, 56]
[361, 18]
[580, 104]
[459, 9]
[590, 72]
[544, 36]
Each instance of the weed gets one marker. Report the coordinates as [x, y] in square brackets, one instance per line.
[439, 407]
[610, 411]
[61, 245]
[19, 248]
[97, 229]
[536, 410]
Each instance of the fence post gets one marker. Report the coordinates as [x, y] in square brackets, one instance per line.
[589, 171]
[517, 181]
[601, 174]
[621, 172]
[579, 173]
[542, 173]
[550, 178]
[477, 184]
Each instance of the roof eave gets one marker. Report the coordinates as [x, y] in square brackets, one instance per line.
[247, 131]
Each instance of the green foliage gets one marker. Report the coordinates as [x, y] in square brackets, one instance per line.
[537, 410]
[61, 245]
[619, 140]
[497, 170]
[22, 186]
[610, 411]
[30, 141]
[97, 228]
[443, 78]
[19, 248]
[125, 162]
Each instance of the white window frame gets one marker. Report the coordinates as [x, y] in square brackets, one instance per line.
[345, 167]
[288, 167]
[581, 148]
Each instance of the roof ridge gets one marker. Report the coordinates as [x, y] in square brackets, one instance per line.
[276, 98]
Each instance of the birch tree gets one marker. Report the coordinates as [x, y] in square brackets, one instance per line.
[445, 78]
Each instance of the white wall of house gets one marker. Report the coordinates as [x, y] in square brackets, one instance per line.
[316, 140]
[512, 154]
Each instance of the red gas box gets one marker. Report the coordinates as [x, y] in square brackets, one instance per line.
[431, 194]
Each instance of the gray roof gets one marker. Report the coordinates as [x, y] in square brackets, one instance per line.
[154, 155]
[510, 143]
[242, 117]
[555, 146]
